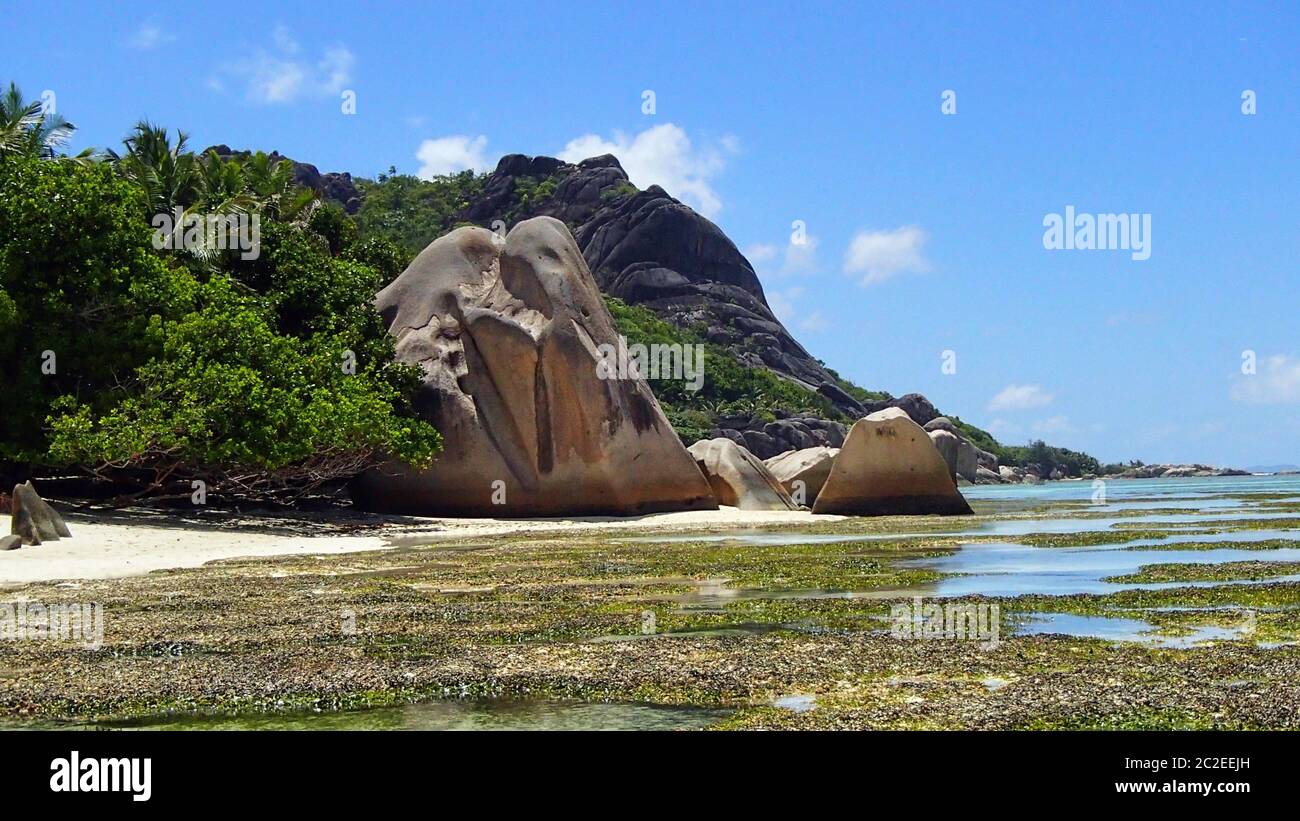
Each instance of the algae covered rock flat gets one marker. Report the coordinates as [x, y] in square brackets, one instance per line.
[738, 621]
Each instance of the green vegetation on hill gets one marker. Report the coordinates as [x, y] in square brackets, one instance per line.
[1048, 458]
[729, 389]
[412, 212]
[1037, 452]
[856, 391]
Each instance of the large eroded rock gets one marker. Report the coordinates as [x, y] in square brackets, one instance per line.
[803, 472]
[888, 465]
[34, 521]
[738, 478]
[507, 331]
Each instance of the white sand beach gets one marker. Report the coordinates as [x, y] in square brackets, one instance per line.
[115, 548]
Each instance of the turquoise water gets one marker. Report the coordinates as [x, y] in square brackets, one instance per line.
[1007, 569]
[1146, 489]
[1116, 628]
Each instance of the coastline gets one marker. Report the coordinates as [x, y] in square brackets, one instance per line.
[137, 546]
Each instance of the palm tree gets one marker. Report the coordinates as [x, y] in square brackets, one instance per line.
[223, 185]
[272, 183]
[26, 128]
[167, 173]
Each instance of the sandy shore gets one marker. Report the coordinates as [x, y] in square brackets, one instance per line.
[114, 548]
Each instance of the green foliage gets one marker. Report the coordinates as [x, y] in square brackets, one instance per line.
[857, 392]
[27, 129]
[380, 253]
[1048, 458]
[412, 212]
[332, 223]
[80, 279]
[266, 376]
[623, 189]
[231, 399]
[532, 190]
[979, 438]
[1045, 456]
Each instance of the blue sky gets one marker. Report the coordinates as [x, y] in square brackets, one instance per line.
[924, 229]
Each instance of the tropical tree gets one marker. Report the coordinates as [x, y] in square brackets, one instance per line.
[167, 173]
[27, 128]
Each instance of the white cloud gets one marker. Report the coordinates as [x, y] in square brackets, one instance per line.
[814, 322]
[284, 40]
[447, 155]
[800, 257]
[1020, 397]
[149, 36]
[281, 75]
[335, 69]
[1053, 425]
[662, 155]
[782, 303]
[760, 254]
[879, 255]
[1277, 382]
[1001, 427]
[796, 258]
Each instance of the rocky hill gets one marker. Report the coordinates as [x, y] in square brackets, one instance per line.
[649, 251]
[647, 248]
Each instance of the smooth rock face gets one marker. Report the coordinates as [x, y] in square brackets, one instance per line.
[987, 476]
[889, 465]
[947, 443]
[941, 423]
[507, 332]
[967, 461]
[10, 542]
[738, 478]
[803, 472]
[34, 521]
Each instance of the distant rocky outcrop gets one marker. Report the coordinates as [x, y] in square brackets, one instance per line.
[917, 407]
[803, 472]
[965, 460]
[948, 444]
[889, 465]
[1176, 472]
[767, 439]
[508, 332]
[33, 520]
[337, 186]
[738, 478]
